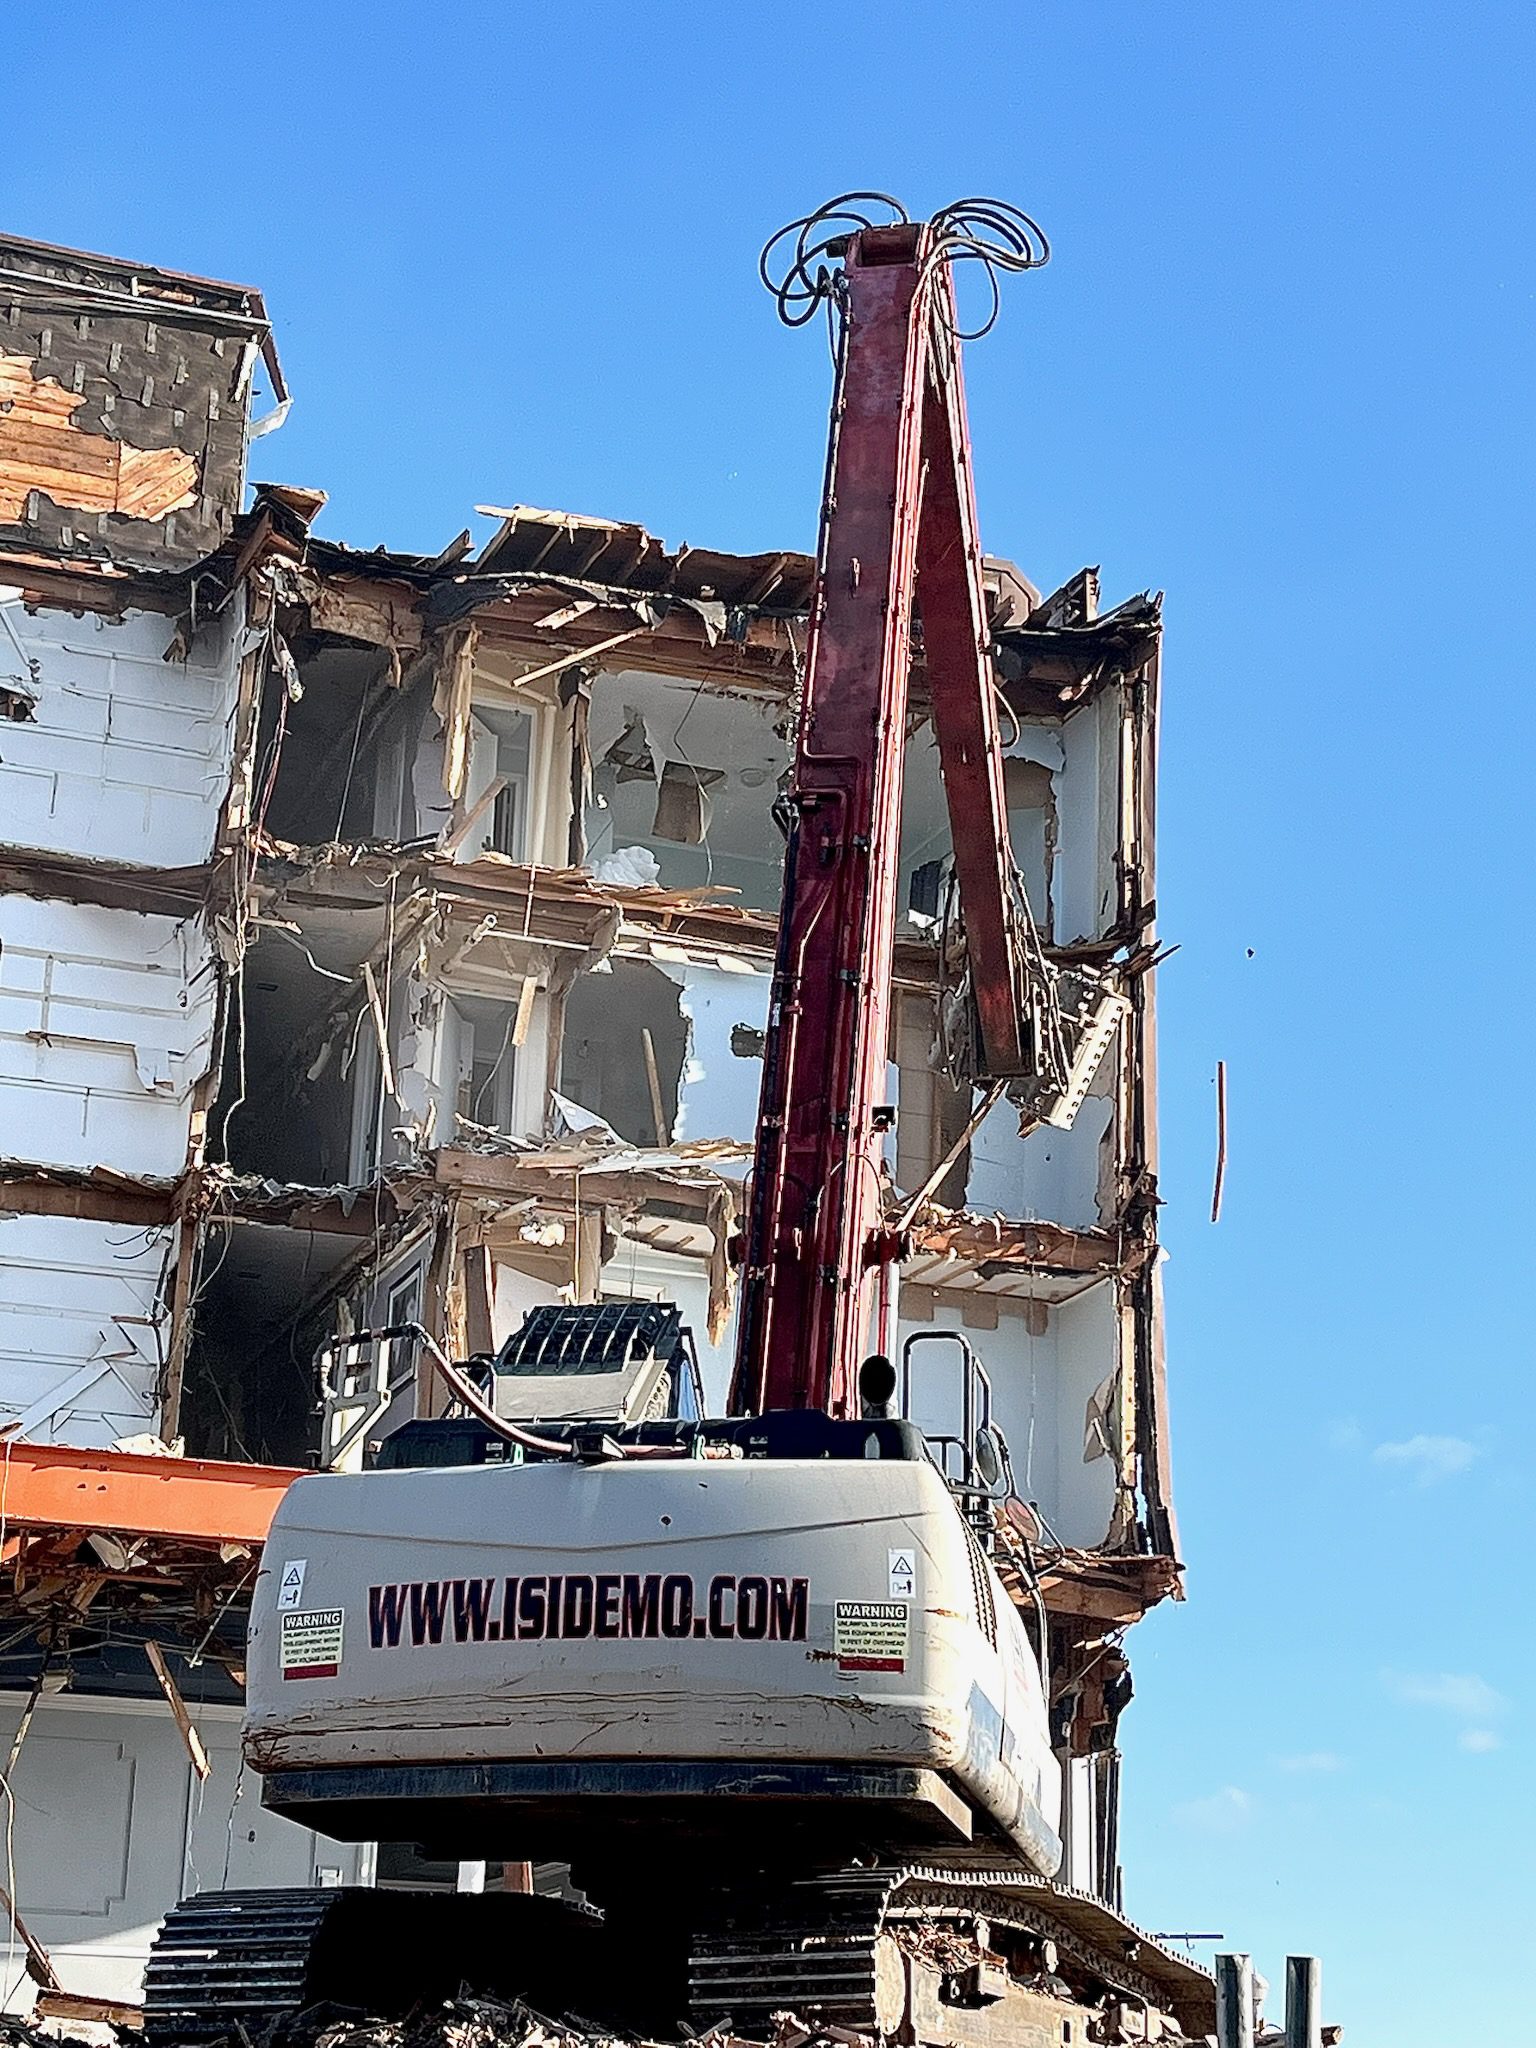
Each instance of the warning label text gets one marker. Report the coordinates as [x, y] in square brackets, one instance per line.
[871, 1635]
[310, 1644]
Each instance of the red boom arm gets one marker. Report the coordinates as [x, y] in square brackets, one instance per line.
[899, 516]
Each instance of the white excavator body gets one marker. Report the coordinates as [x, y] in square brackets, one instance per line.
[695, 1629]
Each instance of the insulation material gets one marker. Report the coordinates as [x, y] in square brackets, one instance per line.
[126, 756]
[106, 1024]
[628, 867]
[82, 1328]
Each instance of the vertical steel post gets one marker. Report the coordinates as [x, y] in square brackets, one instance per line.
[1303, 2002]
[1234, 2002]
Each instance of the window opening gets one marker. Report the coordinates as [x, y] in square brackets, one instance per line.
[487, 1061]
[509, 747]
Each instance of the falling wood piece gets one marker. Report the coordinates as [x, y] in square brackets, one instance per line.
[381, 1029]
[1221, 1140]
[653, 1081]
[178, 1707]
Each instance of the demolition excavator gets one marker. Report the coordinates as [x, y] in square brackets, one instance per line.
[754, 1678]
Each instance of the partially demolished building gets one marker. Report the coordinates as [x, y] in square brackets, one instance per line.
[386, 938]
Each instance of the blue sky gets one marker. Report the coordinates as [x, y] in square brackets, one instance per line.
[1281, 369]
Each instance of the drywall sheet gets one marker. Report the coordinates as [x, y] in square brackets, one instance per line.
[82, 1327]
[126, 756]
[1046, 1395]
[638, 1272]
[727, 1011]
[1051, 1173]
[1088, 798]
[106, 1022]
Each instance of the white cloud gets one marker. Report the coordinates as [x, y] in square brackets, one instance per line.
[1427, 1458]
[1479, 1740]
[1462, 1693]
[1319, 1760]
[1219, 1813]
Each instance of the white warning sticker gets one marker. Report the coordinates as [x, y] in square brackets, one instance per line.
[310, 1646]
[871, 1635]
[903, 1573]
[290, 1585]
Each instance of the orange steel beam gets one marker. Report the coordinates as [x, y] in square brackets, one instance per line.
[197, 1500]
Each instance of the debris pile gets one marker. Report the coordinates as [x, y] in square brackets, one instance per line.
[463, 2022]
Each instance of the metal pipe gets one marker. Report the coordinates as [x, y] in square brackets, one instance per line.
[886, 1311]
[468, 1396]
[1303, 2002]
[1234, 2002]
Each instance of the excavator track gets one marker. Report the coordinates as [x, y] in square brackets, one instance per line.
[232, 1959]
[909, 1950]
[849, 1950]
[227, 1961]
[813, 1949]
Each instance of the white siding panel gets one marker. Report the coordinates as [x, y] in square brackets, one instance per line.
[111, 1829]
[106, 1023]
[82, 1327]
[128, 756]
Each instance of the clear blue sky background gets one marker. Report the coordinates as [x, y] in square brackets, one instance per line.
[1281, 368]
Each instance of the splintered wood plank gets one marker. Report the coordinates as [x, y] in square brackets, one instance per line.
[178, 1707]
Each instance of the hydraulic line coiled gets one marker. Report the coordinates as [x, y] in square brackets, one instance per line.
[795, 269]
